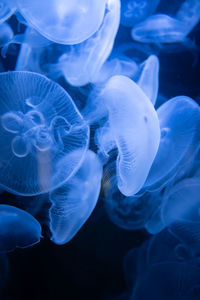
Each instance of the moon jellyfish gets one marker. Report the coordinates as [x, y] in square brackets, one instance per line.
[134, 11]
[189, 13]
[40, 129]
[149, 78]
[18, 229]
[168, 280]
[159, 28]
[179, 122]
[7, 9]
[180, 211]
[73, 202]
[134, 129]
[80, 63]
[131, 213]
[63, 21]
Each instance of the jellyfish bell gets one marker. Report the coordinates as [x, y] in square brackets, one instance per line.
[63, 21]
[39, 127]
[160, 28]
[81, 63]
[149, 77]
[179, 122]
[18, 229]
[134, 127]
[73, 202]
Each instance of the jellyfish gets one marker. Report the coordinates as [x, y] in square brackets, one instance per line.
[73, 202]
[18, 229]
[180, 211]
[41, 132]
[63, 21]
[7, 9]
[134, 129]
[179, 122]
[160, 28]
[189, 13]
[80, 63]
[134, 11]
[148, 80]
[168, 280]
[131, 213]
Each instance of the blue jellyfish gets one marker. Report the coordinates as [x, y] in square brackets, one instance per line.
[189, 13]
[179, 122]
[7, 9]
[18, 229]
[73, 202]
[160, 28]
[41, 132]
[149, 78]
[131, 213]
[80, 63]
[134, 11]
[133, 129]
[63, 21]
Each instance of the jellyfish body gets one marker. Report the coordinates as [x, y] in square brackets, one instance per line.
[134, 128]
[40, 130]
[179, 121]
[134, 11]
[63, 21]
[18, 229]
[149, 78]
[73, 202]
[80, 63]
[160, 28]
[189, 13]
[7, 9]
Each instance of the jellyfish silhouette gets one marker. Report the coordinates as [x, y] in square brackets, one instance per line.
[149, 78]
[81, 63]
[73, 202]
[134, 130]
[40, 131]
[63, 21]
[134, 11]
[179, 122]
[18, 229]
[160, 28]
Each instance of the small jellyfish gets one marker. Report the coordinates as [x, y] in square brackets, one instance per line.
[134, 128]
[189, 13]
[18, 229]
[134, 11]
[63, 21]
[168, 280]
[7, 9]
[179, 122]
[40, 129]
[149, 77]
[158, 29]
[73, 202]
[80, 63]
